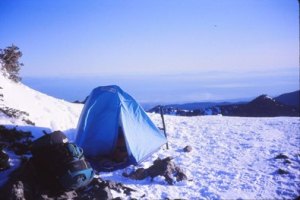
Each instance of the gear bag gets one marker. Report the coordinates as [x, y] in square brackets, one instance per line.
[61, 161]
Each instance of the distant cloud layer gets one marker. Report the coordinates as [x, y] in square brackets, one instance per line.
[176, 88]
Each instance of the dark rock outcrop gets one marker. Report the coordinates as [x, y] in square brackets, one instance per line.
[281, 156]
[161, 167]
[15, 140]
[17, 114]
[4, 160]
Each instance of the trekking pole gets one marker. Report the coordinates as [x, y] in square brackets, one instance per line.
[163, 123]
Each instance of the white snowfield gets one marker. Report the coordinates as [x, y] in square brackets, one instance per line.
[48, 113]
[231, 157]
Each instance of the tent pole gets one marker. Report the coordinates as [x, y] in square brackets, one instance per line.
[163, 123]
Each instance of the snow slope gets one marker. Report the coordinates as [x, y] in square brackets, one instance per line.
[232, 157]
[48, 113]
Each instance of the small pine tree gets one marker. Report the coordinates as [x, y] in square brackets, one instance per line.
[9, 58]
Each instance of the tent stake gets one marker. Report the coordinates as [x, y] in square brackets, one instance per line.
[163, 123]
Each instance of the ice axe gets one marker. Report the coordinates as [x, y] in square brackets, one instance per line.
[161, 111]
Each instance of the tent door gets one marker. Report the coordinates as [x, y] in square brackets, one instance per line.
[120, 153]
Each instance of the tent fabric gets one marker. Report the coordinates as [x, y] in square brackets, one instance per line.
[106, 109]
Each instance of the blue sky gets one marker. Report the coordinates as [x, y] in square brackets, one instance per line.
[167, 51]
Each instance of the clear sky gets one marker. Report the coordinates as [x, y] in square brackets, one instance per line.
[162, 50]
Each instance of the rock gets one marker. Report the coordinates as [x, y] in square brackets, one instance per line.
[17, 114]
[20, 148]
[17, 191]
[100, 189]
[4, 160]
[188, 148]
[139, 174]
[281, 171]
[119, 187]
[287, 161]
[281, 156]
[103, 193]
[96, 190]
[65, 195]
[161, 167]
[180, 175]
[16, 140]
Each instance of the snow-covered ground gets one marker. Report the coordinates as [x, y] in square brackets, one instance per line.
[48, 113]
[232, 157]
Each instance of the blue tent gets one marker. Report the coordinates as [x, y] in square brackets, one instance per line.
[108, 110]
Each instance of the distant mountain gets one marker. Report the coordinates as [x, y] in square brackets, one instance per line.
[81, 102]
[147, 106]
[291, 98]
[262, 106]
[190, 109]
[198, 105]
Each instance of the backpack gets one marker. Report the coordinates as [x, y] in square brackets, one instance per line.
[58, 161]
